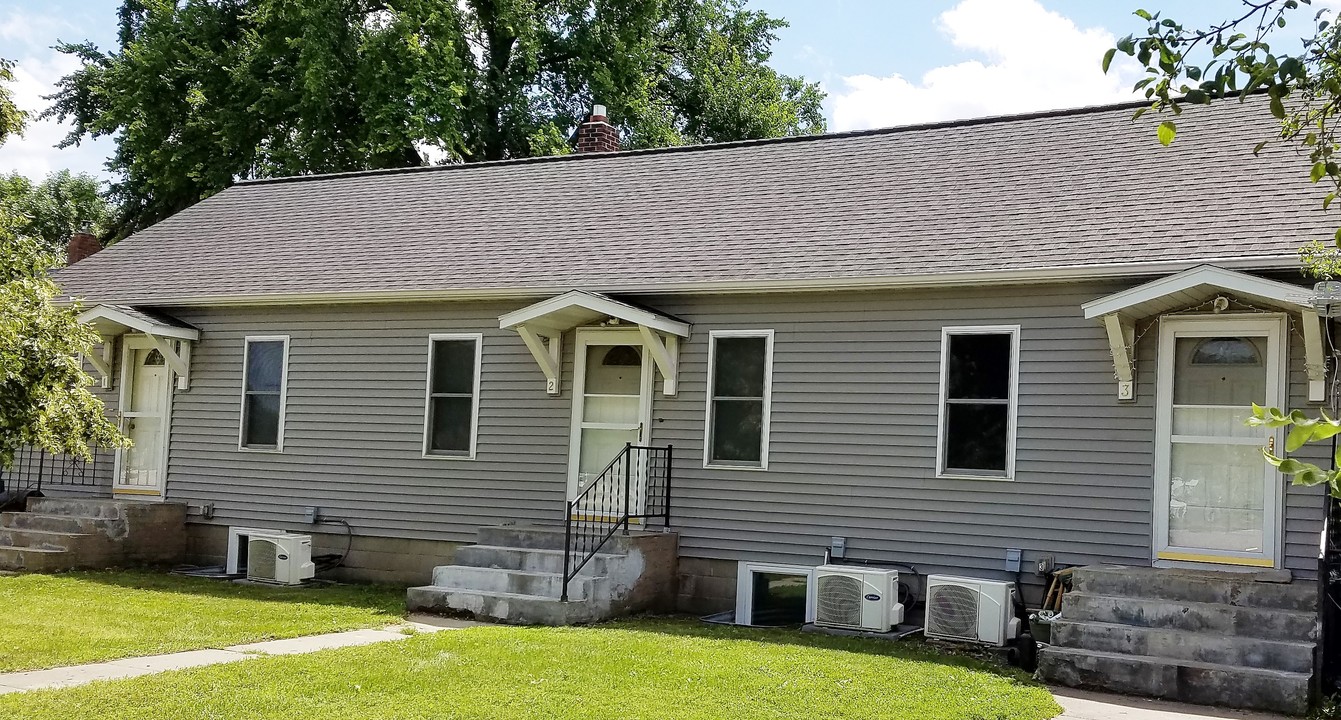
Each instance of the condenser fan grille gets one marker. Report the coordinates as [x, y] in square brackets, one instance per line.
[838, 600]
[952, 610]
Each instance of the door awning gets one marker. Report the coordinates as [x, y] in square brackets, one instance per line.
[542, 325]
[171, 336]
[1201, 285]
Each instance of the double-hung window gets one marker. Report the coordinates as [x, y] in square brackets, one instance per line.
[265, 369]
[979, 375]
[452, 412]
[740, 368]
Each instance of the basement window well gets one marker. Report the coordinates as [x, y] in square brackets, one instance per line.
[773, 595]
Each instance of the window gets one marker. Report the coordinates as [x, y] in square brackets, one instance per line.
[740, 366]
[979, 370]
[264, 370]
[773, 595]
[452, 411]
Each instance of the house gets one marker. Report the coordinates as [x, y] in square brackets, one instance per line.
[939, 343]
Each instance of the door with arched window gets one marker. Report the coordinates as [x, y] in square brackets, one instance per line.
[145, 397]
[1216, 499]
[612, 407]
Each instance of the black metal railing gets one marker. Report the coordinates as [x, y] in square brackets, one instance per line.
[634, 486]
[1329, 601]
[34, 469]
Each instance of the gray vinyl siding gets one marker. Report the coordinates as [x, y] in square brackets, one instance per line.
[852, 446]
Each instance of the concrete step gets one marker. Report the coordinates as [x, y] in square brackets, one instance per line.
[1215, 648]
[503, 607]
[34, 559]
[57, 523]
[1283, 625]
[1182, 680]
[79, 507]
[530, 559]
[40, 539]
[515, 582]
[1245, 589]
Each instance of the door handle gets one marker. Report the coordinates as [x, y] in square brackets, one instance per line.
[1271, 445]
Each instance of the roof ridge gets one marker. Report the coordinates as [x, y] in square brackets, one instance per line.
[708, 147]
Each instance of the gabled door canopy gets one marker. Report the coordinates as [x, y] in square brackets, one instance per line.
[164, 331]
[1120, 311]
[542, 325]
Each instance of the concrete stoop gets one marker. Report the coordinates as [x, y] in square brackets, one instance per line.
[514, 574]
[1212, 638]
[57, 534]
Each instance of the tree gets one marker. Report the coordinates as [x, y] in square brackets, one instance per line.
[201, 93]
[55, 208]
[45, 400]
[1303, 92]
[11, 117]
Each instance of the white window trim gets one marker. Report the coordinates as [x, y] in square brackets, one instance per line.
[478, 339]
[745, 571]
[283, 395]
[708, 419]
[1012, 405]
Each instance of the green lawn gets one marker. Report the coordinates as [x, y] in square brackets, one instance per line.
[676, 669]
[52, 620]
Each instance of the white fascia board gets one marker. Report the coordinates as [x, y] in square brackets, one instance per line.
[1053, 274]
[1292, 296]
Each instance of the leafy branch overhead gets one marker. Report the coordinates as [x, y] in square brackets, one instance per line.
[1303, 430]
[1235, 57]
[200, 93]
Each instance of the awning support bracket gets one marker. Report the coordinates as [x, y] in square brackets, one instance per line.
[548, 352]
[1121, 338]
[1314, 362]
[180, 363]
[665, 355]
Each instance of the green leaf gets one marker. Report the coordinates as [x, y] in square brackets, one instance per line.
[1143, 14]
[1299, 436]
[1108, 58]
[1166, 132]
[1277, 108]
[1258, 148]
[1318, 172]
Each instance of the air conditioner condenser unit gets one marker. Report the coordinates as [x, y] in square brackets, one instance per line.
[280, 559]
[971, 610]
[857, 598]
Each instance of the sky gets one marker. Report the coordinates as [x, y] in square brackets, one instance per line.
[882, 62]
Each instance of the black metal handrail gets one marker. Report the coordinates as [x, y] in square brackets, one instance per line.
[634, 486]
[34, 468]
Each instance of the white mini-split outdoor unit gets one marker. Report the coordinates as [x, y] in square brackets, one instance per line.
[970, 609]
[271, 556]
[857, 598]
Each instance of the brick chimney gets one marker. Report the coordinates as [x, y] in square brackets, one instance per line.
[82, 244]
[597, 134]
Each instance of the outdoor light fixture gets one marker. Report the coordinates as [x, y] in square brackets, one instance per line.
[1327, 298]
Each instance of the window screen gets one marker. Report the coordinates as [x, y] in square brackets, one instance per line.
[451, 396]
[263, 394]
[976, 419]
[739, 400]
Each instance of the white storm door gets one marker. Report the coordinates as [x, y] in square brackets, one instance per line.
[146, 394]
[612, 406]
[1217, 501]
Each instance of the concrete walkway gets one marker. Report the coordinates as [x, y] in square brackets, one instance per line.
[134, 667]
[1085, 705]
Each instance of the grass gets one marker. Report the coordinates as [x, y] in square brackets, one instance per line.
[69, 619]
[641, 669]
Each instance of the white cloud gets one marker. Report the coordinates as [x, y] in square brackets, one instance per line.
[38, 68]
[1031, 59]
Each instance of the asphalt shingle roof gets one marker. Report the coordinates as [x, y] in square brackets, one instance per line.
[1063, 190]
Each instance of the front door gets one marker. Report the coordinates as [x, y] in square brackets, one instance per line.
[1216, 499]
[612, 406]
[145, 397]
